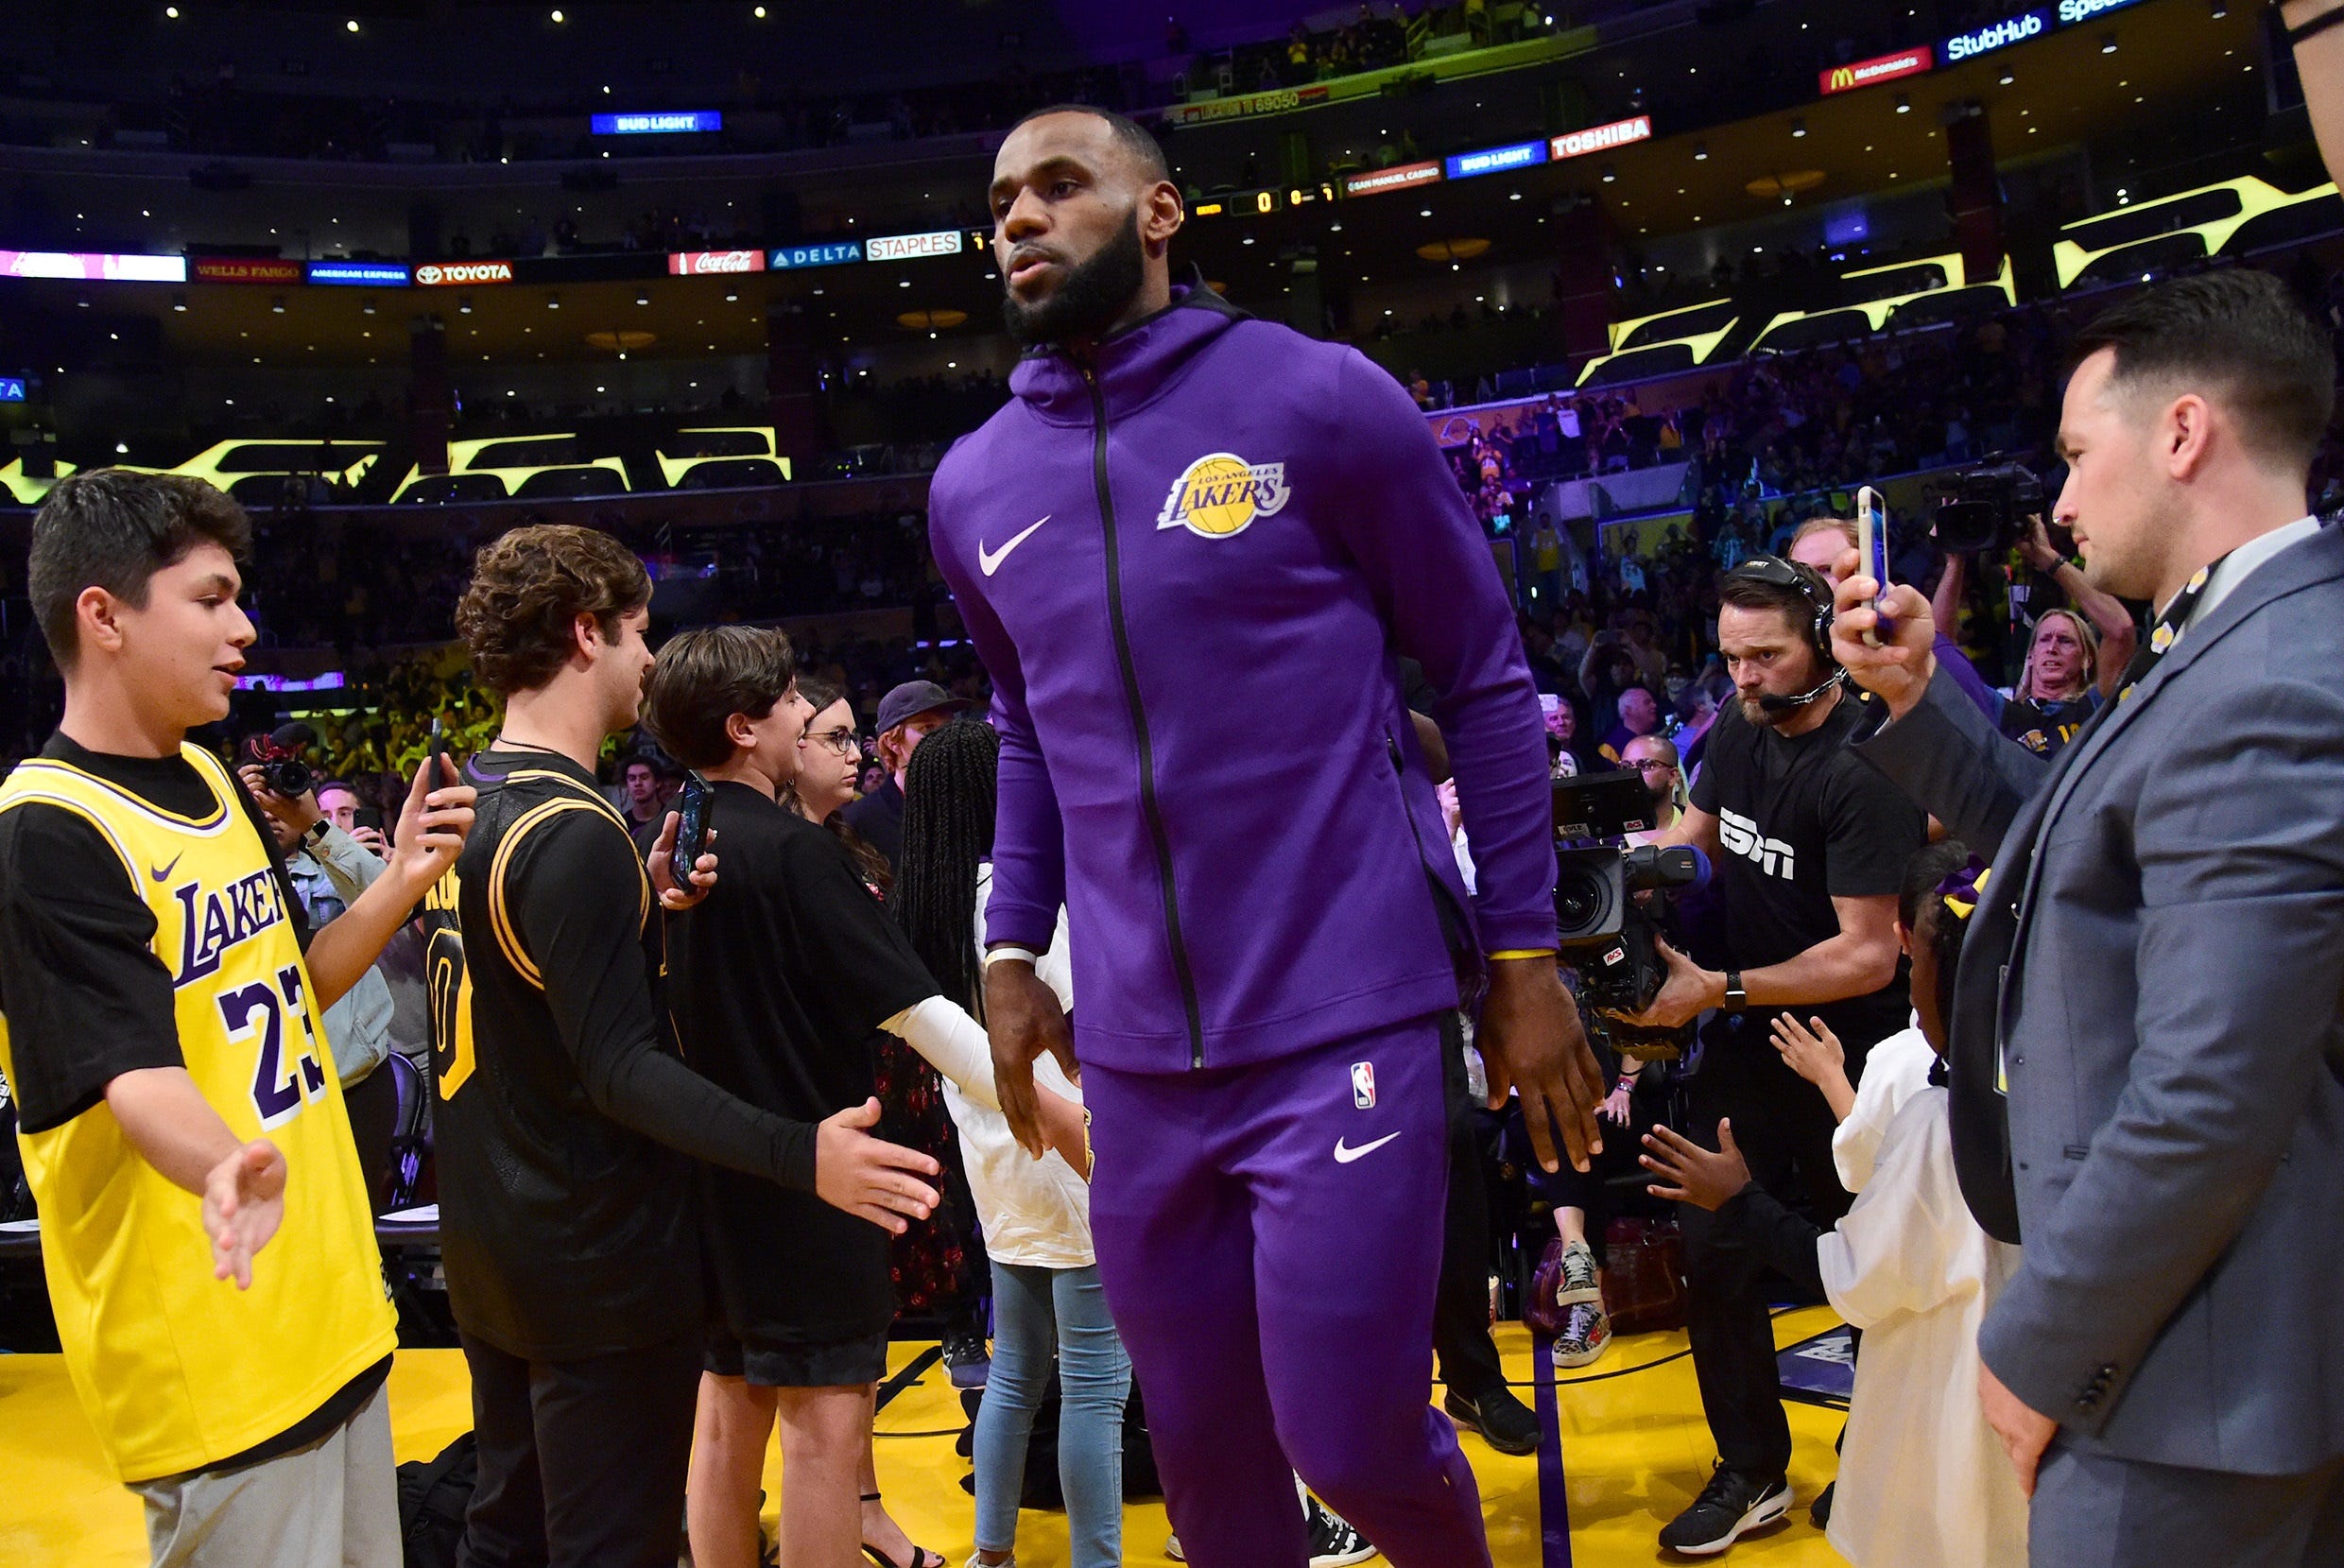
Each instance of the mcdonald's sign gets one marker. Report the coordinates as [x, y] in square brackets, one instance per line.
[1880, 68]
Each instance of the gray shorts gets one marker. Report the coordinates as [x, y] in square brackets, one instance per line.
[332, 1505]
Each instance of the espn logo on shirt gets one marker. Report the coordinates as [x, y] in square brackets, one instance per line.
[1741, 836]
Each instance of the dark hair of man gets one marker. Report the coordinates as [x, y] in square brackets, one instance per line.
[1133, 136]
[1748, 593]
[113, 529]
[817, 695]
[527, 591]
[1922, 910]
[948, 828]
[702, 677]
[323, 787]
[2239, 336]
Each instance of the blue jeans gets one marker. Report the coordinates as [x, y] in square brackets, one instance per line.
[1039, 1314]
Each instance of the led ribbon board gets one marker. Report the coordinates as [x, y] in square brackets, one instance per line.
[659, 125]
[792, 257]
[1578, 144]
[349, 274]
[1994, 36]
[1880, 68]
[1519, 155]
[92, 269]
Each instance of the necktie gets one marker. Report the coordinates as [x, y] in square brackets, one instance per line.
[1978, 1113]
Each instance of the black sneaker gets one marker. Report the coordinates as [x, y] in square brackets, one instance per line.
[1820, 1513]
[967, 1358]
[1332, 1542]
[1503, 1421]
[1732, 1506]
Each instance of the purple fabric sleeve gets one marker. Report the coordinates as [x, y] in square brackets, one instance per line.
[1956, 663]
[1429, 565]
[1029, 842]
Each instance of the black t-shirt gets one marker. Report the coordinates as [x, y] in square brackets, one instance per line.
[777, 984]
[2045, 728]
[86, 998]
[1802, 820]
[564, 1117]
[879, 818]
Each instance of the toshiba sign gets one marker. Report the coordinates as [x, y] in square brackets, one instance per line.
[697, 263]
[441, 274]
[1578, 143]
[1867, 72]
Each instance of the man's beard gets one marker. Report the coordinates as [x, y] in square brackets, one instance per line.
[1090, 298]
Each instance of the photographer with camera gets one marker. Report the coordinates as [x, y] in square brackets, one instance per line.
[1810, 844]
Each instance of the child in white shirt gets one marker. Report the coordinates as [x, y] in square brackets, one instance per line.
[1923, 1482]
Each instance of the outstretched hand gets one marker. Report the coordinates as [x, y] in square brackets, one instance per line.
[432, 825]
[243, 1205]
[867, 1176]
[1704, 1178]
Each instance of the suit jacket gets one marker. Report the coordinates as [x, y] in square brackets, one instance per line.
[2169, 1023]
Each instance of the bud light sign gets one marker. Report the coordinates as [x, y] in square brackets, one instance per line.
[1995, 35]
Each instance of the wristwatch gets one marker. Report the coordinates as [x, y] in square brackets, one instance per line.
[1736, 999]
[317, 830]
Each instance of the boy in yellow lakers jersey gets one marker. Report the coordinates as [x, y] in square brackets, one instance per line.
[179, 1109]
[565, 1122]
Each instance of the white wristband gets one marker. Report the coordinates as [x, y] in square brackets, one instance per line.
[993, 956]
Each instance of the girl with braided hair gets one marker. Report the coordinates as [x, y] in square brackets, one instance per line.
[1047, 1301]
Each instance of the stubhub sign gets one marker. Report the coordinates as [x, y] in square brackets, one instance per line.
[1995, 35]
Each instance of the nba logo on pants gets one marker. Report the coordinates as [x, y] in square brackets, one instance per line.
[1363, 1085]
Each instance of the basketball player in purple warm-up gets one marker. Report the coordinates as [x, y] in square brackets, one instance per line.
[1191, 552]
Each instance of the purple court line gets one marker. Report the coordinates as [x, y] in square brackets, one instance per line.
[1554, 1497]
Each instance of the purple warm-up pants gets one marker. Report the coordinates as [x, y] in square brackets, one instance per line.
[1270, 1247]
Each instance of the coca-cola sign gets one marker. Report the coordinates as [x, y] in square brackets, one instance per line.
[442, 274]
[698, 264]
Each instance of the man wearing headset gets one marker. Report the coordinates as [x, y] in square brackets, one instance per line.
[1810, 843]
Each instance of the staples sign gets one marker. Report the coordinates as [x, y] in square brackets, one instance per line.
[441, 274]
[698, 264]
[944, 242]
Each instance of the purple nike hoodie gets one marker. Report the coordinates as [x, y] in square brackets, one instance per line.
[1190, 567]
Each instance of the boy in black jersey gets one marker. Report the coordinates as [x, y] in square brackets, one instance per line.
[564, 1117]
[1810, 842]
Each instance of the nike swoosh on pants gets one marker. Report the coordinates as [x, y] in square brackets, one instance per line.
[1345, 1154]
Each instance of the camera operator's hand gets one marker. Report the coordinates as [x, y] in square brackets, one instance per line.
[1701, 1177]
[1688, 992]
[1022, 1020]
[1898, 671]
[1531, 1041]
[2038, 548]
[300, 813]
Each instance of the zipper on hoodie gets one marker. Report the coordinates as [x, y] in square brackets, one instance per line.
[1149, 808]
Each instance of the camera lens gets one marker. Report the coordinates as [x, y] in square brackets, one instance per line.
[1579, 900]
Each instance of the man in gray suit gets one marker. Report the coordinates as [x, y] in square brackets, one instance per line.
[2153, 976]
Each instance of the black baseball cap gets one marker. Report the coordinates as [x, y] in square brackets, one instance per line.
[914, 697]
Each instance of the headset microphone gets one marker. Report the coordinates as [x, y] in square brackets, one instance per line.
[1790, 704]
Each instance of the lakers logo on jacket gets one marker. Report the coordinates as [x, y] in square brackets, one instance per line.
[1220, 494]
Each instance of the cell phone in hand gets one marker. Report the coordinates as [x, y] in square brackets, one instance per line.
[695, 810]
[367, 817]
[434, 757]
[1871, 544]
